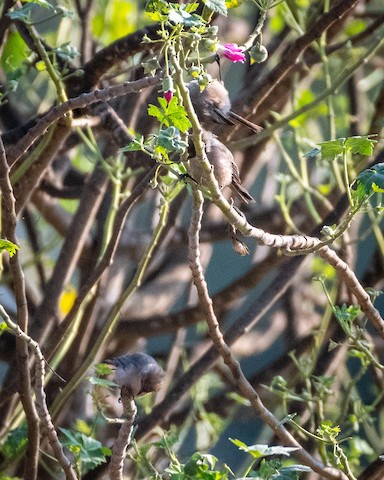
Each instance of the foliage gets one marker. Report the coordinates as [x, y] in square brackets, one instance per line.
[99, 141]
[87, 451]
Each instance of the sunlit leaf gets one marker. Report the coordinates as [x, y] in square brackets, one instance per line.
[372, 179]
[180, 16]
[261, 450]
[360, 145]
[217, 6]
[332, 149]
[10, 247]
[14, 53]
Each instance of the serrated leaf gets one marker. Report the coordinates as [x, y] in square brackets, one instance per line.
[89, 451]
[332, 149]
[362, 145]
[103, 369]
[372, 179]
[180, 16]
[217, 6]
[135, 145]
[155, 111]
[10, 247]
[170, 114]
[261, 450]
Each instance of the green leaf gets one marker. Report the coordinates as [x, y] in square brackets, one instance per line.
[170, 114]
[261, 450]
[178, 116]
[347, 314]
[217, 6]
[169, 138]
[10, 247]
[103, 369]
[16, 442]
[181, 16]
[136, 144]
[332, 149]
[372, 179]
[155, 111]
[362, 145]
[87, 450]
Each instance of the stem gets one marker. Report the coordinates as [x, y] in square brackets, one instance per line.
[223, 349]
[114, 315]
[123, 440]
[52, 72]
[41, 404]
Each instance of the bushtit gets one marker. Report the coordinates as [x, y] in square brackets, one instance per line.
[138, 373]
[212, 106]
[224, 167]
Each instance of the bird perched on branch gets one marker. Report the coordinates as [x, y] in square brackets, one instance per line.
[224, 167]
[138, 373]
[213, 106]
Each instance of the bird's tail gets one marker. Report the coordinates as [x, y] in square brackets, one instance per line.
[252, 126]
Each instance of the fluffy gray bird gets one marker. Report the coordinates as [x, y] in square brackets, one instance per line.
[224, 167]
[138, 373]
[213, 106]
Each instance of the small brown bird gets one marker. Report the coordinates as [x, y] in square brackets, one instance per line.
[138, 373]
[224, 167]
[213, 106]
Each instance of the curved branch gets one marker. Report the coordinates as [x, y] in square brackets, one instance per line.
[82, 101]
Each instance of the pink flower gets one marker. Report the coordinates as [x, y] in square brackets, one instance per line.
[231, 51]
[168, 95]
[168, 88]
